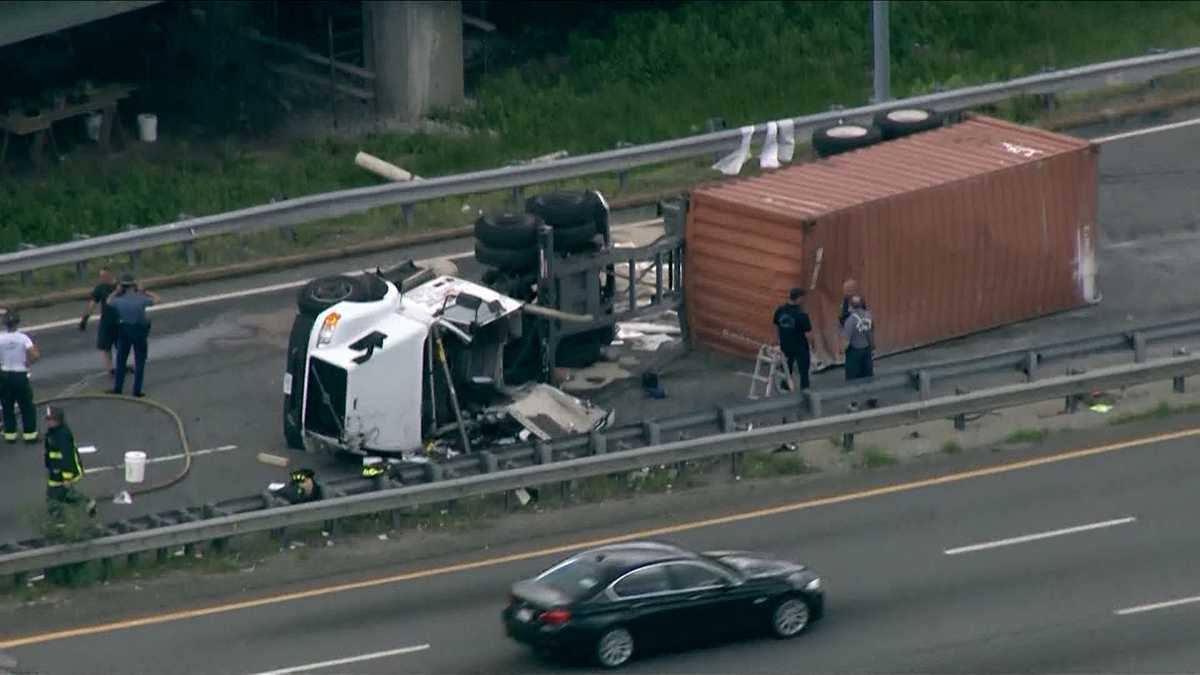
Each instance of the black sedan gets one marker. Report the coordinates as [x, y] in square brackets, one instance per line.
[612, 602]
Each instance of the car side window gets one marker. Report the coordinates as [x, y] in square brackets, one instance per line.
[686, 576]
[643, 582]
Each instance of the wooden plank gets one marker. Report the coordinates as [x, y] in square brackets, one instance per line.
[309, 55]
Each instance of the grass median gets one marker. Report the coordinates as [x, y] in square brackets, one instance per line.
[643, 76]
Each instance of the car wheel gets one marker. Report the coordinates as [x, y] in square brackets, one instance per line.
[507, 230]
[790, 618]
[614, 648]
[508, 260]
[319, 295]
[839, 138]
[907, 121]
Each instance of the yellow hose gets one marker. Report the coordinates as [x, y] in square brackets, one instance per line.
[187, 448]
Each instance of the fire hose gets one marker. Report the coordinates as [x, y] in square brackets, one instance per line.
[183, 439]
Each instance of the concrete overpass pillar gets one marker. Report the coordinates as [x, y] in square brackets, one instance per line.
[416, 50]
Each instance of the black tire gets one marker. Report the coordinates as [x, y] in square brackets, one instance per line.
[508, 260]
[622, 639]
[799, 617]
[319, 295]
[583, 349]
[507, 230]
[839, 138]
[903, 122]
[377, 287]
[563, 209]
[574, 238]
[297, 355]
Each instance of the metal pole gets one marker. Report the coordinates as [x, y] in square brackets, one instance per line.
[879, 15]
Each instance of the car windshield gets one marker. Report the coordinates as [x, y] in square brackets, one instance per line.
[575, 578]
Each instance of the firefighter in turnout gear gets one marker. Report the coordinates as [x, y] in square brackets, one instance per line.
[63, 467]
[17, 352]
[303, 488]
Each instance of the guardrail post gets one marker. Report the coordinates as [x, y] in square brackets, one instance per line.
[653, 432]
[728, 420]
[848, 437]
[924, 384]
[434, 472]
[135, 262]
[161, 555]
[133, 560]
[106, 569]
[1179, 382]
[622, 175]
[812, 401]
[1073, 399]
[545, 454]
[1031, 366]
[518, 199]
[960, 421]
[488, 462]
[189, 253]
[1137, 340]
[408, 215]
[597, 442]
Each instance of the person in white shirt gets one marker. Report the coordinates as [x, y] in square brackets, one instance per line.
[17, 351]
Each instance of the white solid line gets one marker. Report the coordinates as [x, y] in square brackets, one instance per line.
[262, 290]
[1149, 130]
[1040, 535]
[351, 659]
[164, 458]
[1157, 605]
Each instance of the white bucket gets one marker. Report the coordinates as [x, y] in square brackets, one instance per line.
[135, 466]
[92, 124]
[148, 127]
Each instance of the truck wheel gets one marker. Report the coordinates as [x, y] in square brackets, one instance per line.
[507, 230]
[320, 294]
[839, 138]
[574, 238]
[508, 260]
[563, 209]
[906, 121]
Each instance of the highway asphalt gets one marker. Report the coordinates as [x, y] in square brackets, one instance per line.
[219, 360]
[1058, 567]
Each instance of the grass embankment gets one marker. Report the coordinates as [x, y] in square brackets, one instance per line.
[647, 76]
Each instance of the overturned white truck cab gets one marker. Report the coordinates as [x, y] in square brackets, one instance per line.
[405, 361]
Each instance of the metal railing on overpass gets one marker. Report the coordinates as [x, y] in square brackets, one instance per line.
[599, 460]
[322, 206]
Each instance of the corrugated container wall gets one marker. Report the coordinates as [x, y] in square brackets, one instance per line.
[948, 232]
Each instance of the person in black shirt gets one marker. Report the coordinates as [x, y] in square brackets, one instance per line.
[106, 335]
[304, 487]
[794, 329]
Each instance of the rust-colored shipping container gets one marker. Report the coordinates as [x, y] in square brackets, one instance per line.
[948, 232]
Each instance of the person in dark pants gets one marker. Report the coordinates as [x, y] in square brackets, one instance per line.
[63, 467]
[129, 302]
[17, 351]
[859, 331]
[794, 328]
[106, 334]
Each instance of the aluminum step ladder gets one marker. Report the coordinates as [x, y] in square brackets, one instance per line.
[772, 360]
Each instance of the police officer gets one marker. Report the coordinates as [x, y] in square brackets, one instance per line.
[129, 301]
[63, 467]
[17, 351]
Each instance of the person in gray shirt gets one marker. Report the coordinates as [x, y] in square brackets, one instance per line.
[859, 331]
[129, 302]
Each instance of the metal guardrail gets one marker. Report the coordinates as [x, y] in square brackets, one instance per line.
[346, 202]
[895, 386]
[598, 464]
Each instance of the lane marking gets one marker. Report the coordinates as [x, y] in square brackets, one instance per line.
[1040, 535]
[164, 458]
[1150, 130]
[1158, 605]
[275, 288]
[279, 598]
[351, 659]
